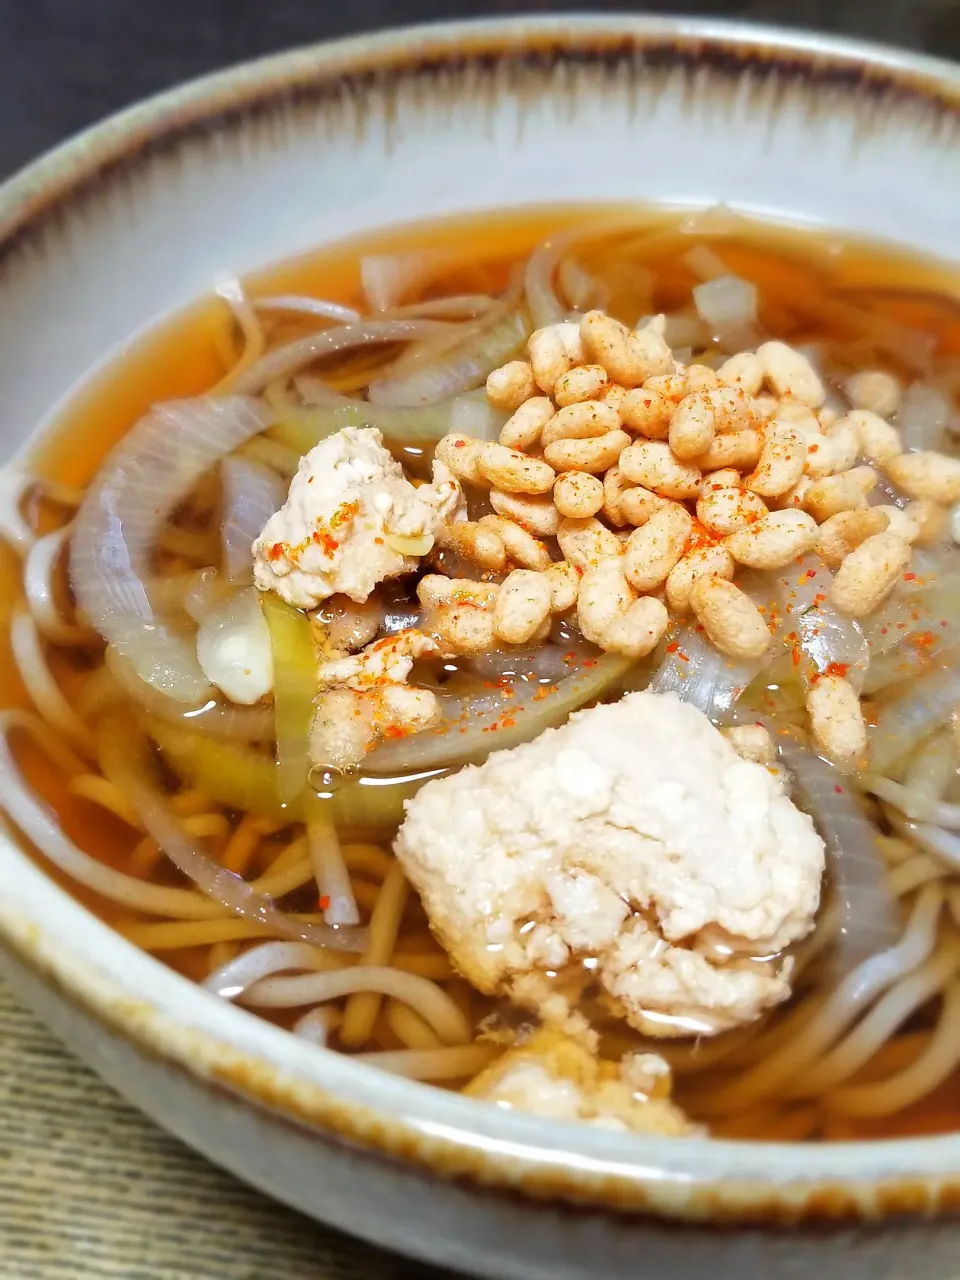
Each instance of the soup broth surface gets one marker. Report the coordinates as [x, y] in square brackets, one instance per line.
[853, 306]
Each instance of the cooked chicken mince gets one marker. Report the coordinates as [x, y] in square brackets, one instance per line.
[530, 669]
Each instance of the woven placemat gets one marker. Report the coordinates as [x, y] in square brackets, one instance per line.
[89, 1187]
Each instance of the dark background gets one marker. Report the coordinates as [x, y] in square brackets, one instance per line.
[66, 63]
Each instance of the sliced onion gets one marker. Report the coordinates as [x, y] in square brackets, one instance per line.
[141, 482]
[801, 585]
[233, 648]
[252, 493]
[460, 370]
[388, 278]
[907, 720]
[203, 590]
[829, 640]
[683, 329]
[727, 305]
[699, 674]
[307, 306]
[934, 766]
[285, 360]
[541, 296]
[302, 428]
[923, 416]
[123, 758]
[472, 414]
[219, 719]
[705, 264]
[869, 918]
[462, 306]
[235, 296]
[495, 720]
[38, 575]
[581, 290]
[544, 305]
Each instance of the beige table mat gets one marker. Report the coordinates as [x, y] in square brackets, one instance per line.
[91, 1188]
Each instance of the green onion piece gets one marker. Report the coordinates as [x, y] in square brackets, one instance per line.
[300, 427]
[294, 691]
[242, 778]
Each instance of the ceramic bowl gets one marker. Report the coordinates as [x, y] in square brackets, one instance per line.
[135, 218]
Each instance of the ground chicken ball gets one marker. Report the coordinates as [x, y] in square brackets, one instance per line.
[552, 1075]
[351, 520]
[364, 697]
[635, 837]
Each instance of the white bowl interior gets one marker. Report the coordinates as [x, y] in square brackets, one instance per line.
[157, 229]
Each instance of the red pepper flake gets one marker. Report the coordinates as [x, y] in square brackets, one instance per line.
[311, 479]
[276, 551]
[673, 646]
[459, 444]
[813, 448]
[508, 722]
[682, 656]
[323, 539]
[346, 511]
[838, 789]
[323, 902]
[943, 622]
[909, 577]
[796, 655]
[922, 639]
[883, 631]
[819, 598]
[837, 669]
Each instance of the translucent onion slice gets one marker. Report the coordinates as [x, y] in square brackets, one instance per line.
[141, 482]
[832, 644]
[495, 720]
[301, 428]
[38, 585]
[923, 416]
[727, 305]
[869, 918]
[459, 370]
[301, 305]
[388, 279]
[125, 763]
[906, 721]
[233, 647]
[285, 360]
[252, 493]
[699, 674]
[219, 719]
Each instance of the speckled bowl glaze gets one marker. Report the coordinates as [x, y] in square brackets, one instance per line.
[135, 218]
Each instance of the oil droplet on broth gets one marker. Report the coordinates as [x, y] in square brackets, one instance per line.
[325, 780]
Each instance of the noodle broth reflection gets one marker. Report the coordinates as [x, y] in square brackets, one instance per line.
[228, 774]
